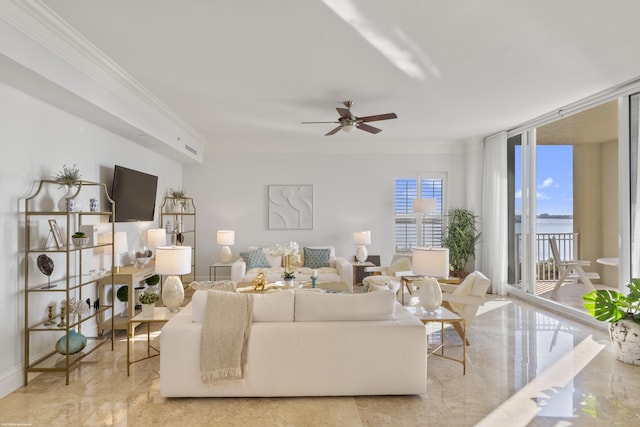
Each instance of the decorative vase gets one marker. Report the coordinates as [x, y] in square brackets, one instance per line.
[76, 343]
[63, 203]
[147, 309]
[625, 337]
[430, 294]
[173, 293]
[80, 242]
[288, 283]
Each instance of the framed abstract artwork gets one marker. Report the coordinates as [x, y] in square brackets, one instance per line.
[290, 207]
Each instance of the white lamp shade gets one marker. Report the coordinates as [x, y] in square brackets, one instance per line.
[362, 237]
[431, 262]
[424, 205]
[173, 260]
[157, 237]
[225, 237]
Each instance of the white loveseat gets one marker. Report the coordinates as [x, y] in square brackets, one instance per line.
[337, 269]
[306, 343]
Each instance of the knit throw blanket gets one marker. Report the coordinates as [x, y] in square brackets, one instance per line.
[224, 338]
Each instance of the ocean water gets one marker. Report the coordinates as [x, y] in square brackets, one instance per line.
[550, 225]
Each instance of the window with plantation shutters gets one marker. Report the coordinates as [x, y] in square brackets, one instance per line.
[412, 229]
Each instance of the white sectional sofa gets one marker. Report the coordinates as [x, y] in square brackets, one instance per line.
[306, 343]
[337, 269]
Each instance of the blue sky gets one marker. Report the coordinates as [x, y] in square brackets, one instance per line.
[554, 179]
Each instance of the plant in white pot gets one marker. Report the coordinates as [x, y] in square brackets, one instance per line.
[148, 301]
[623, 312]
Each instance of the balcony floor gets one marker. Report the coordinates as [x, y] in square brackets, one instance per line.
[569, 294]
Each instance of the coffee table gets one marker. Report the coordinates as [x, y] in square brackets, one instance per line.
[443, 315]
[326, 286]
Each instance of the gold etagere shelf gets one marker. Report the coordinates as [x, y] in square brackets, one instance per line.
[71, 278]
[180, 215]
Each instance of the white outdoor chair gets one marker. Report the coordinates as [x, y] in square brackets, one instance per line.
[570, 270]
[466, 298]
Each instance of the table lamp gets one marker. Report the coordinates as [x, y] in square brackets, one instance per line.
[225, 238]
[362, 238]
[156, 237]
[430, 263]
[173, 261]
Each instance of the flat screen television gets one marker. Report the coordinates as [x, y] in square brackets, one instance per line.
[134, 193]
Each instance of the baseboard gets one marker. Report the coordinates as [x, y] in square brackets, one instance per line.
[11, 382]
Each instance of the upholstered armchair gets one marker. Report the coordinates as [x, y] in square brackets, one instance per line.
[466, 298]
[388, 275]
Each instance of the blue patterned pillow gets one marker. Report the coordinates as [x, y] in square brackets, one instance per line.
[316, 258]
[255, 259]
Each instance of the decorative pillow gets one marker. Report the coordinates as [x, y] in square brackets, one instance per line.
[273, 260]
[316, 258]
[401, 264]
[316, 307]
[219, 285]
[372, 287]
[255, 259]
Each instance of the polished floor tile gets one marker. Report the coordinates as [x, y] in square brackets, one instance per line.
[526, 367]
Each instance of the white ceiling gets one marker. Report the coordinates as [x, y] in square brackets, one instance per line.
[245, 73]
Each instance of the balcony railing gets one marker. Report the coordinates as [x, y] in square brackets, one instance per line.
[546, 269]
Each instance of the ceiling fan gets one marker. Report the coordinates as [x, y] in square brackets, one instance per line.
[347, 121]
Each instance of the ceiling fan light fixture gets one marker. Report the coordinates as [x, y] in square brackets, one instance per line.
[349, 127]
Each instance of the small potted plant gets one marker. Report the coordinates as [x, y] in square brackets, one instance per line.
[79, 239]
[148, 300]
[179, 194]
[623, 312]
[67, 178]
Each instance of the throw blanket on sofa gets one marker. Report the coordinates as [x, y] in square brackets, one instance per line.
[224, 338]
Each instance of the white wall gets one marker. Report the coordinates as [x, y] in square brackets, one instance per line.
[350, 192]
[36, 141]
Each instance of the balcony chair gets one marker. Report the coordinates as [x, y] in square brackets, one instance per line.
[570, 270]
[465, 299]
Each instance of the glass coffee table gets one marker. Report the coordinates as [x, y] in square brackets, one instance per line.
[443, 315]
[160, 315]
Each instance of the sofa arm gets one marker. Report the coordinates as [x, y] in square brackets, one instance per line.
[345, 271]
[238, 270]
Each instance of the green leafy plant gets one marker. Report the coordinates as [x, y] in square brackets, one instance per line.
[288, 275]
[611, 306]
[123, 293]
[152, 280]
[68, 176]
[78, 235]
[461, 237]
[149, 297]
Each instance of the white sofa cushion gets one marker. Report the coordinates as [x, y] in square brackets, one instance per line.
[267, 307]
[315, 307]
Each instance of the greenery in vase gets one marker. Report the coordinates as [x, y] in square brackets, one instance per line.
[69, 176]
[178, 193]
[78, 235]
[149, 298]
[123, 293]
[611, 306]
[289, 275]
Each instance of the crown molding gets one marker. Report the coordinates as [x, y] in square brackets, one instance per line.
[122, 95]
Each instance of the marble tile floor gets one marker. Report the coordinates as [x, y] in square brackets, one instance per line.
[526, 367]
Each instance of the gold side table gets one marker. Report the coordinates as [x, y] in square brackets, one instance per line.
[160, 315]
[442, 316]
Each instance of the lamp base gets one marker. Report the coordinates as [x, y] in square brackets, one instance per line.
[172, 293]
[361, 253]
[225, 254]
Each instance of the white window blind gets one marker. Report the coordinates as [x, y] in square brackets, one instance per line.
[406, 221]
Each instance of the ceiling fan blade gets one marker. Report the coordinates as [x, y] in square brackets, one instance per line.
[344, 113]
[306, 123]
[334, 131]
[367, 128]
[378, 117]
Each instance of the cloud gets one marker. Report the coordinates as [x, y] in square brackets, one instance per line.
[546, 183]
[519, 194]
[542, 196]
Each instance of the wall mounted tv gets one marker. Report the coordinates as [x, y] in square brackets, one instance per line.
[134, 193]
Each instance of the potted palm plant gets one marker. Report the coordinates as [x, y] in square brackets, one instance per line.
[623, 313]
[461, 237]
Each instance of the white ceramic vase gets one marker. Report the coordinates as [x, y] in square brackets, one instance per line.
[430, 294]
[625, 337]
[147, 309]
